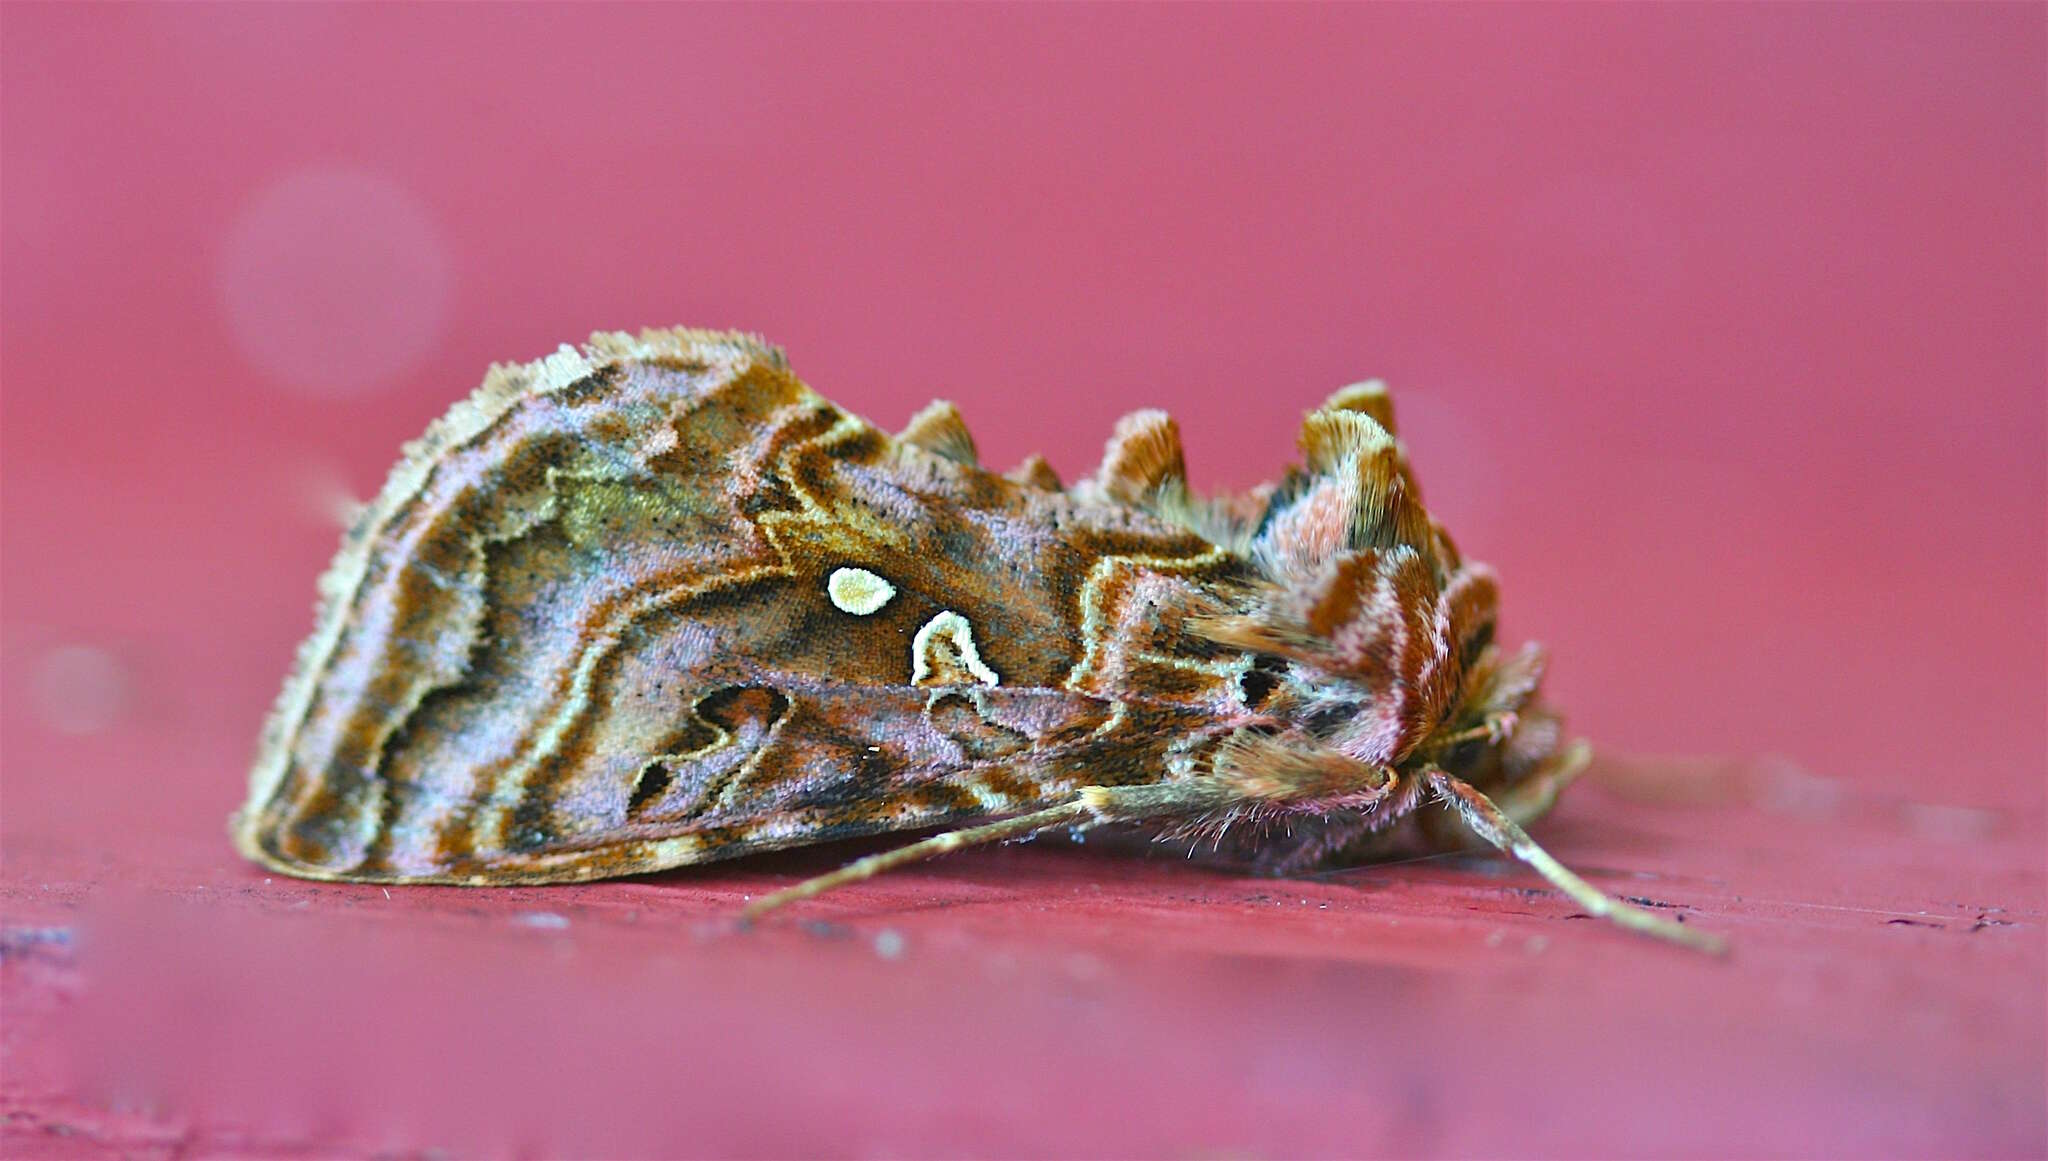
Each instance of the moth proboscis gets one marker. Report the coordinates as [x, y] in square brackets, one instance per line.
[653, 603]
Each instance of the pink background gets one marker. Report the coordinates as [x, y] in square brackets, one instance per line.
[1719, 331]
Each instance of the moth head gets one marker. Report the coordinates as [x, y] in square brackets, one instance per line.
[1383, 628]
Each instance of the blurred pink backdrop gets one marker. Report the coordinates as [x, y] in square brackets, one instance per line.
[1719, 331]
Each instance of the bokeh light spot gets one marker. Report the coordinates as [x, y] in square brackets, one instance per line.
[79, 689]
[335, 281]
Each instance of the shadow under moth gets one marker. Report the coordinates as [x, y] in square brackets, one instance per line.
[655, 603]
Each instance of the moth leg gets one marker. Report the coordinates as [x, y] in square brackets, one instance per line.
[1091, 806]
[1491, 823]
[952, 840]
[1531, 799]
[1493, 728]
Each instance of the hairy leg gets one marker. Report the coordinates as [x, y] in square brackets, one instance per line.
[1491, 823]
[1494, 728]
[952, 840]
[1091, 806]
[1199, 797]
[1254, 774]
[1531, 799]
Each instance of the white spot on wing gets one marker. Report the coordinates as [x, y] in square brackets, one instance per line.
[954, 629]
[858, 591]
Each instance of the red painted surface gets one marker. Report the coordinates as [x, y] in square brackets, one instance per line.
[1719, 331]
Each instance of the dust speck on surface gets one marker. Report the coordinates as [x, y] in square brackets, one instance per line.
[21, 941]
[889, 943]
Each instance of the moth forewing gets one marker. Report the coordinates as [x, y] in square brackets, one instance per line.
[655, 603]
[659, 604]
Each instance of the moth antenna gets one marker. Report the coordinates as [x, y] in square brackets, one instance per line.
[940, 844]
[939, 430]
[1034, 472]
[1368, 398]
[1491, 823]
[1143, 457]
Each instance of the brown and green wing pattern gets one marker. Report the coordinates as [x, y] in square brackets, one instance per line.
[655, 602]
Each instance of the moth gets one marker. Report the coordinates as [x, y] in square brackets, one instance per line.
[654, 603]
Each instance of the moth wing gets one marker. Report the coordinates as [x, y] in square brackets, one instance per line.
[655, 602]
